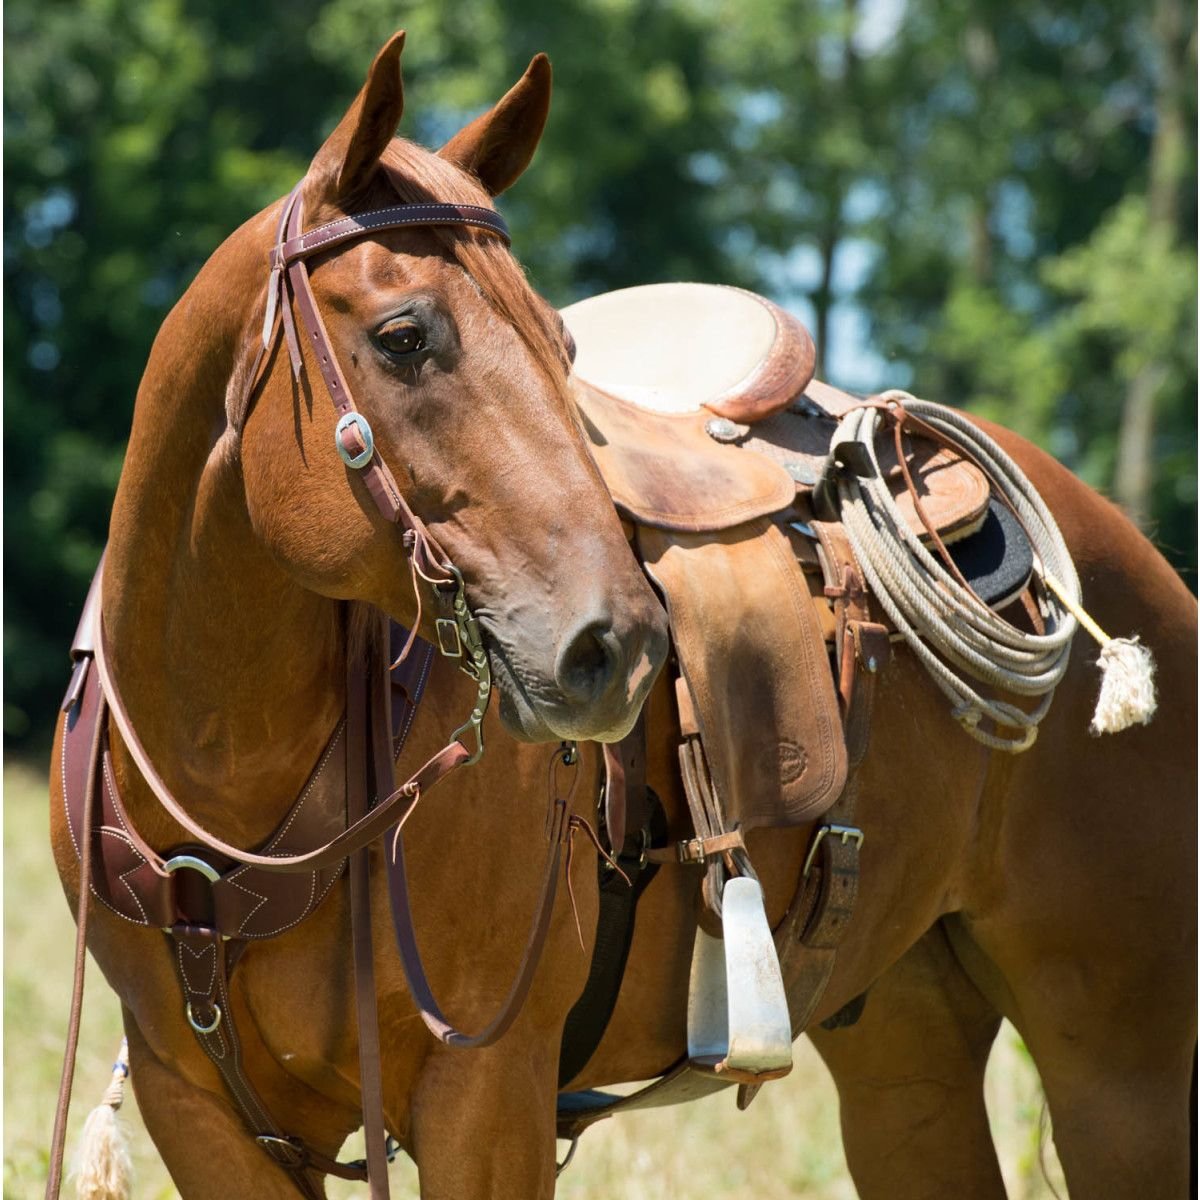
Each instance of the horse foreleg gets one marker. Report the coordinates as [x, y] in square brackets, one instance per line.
[204, 1146]
[483, 1121]
[909, 1076]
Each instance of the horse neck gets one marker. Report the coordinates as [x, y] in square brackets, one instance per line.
[231, 672]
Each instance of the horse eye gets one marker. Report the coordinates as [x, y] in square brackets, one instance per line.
[401, 338]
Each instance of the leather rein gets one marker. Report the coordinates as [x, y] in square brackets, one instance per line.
[369, 750]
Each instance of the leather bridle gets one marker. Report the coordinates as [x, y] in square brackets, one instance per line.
[366, 727]
[353, 435]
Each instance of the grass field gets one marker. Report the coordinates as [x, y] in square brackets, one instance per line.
[786, 1145]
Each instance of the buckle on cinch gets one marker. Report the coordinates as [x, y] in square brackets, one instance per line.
[359, 422]
[848, 833]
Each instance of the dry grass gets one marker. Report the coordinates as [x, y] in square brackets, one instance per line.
[787, 1145]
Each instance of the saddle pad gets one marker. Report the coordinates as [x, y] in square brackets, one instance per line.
[677, 347]
[751, 649]
[997, 559]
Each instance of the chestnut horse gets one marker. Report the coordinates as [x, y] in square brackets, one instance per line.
[1055, 888]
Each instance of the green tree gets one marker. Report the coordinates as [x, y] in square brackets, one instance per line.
[997, 193]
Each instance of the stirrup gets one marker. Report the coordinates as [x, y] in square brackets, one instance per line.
[738, 1023]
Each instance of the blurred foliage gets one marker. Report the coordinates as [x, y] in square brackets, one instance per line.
[991, 202]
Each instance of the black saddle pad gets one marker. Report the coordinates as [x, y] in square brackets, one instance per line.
[997, 559]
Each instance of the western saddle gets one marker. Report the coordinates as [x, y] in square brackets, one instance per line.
[714, 439]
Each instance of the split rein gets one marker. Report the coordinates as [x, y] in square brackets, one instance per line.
[367, 734]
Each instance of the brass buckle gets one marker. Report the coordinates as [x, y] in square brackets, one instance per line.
[449, 640]
[848, 833]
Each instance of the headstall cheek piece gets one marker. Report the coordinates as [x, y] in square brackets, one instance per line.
[353, 436]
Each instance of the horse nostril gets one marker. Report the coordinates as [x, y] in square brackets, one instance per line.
[587, 662]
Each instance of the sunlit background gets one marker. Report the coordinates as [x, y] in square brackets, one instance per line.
[991, 203]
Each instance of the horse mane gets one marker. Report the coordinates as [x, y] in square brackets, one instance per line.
[420, 176]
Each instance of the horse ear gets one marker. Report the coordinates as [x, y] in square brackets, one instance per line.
[498, 146]
[348, 158]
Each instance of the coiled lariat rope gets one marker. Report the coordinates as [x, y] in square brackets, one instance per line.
[951, 631]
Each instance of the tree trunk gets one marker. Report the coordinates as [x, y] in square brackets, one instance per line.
[1134, 474]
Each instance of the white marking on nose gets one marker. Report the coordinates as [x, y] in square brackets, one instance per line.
[636, 676]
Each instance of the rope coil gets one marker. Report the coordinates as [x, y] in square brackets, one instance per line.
[952, 632]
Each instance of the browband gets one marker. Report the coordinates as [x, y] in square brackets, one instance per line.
[397, 216]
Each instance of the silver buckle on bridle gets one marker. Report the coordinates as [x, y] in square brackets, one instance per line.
[356, 419]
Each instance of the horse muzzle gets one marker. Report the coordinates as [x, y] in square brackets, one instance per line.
[595, 684]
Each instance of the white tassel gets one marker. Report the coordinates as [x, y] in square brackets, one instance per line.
[1127, 694]
[105, 1170]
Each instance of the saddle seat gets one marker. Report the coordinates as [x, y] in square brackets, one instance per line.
[680, 347]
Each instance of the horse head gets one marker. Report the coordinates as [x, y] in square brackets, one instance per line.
[461, 372]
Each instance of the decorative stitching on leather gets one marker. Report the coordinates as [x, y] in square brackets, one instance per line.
[197, 955]
[234, 878]
[307, 908]
[241, 887]
[244, 1091]
[785, 560]
[308, 790]
[111, 784]
[66, 801]
[112, 908]
[469, 214]
[115, 833]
